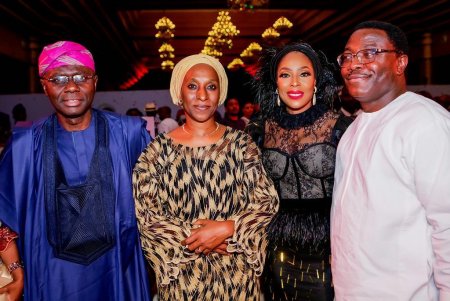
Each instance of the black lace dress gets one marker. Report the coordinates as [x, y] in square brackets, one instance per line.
[299, 154]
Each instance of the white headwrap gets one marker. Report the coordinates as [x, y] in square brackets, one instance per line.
[183, 66]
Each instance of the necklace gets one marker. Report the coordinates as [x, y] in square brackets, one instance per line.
[204, 135]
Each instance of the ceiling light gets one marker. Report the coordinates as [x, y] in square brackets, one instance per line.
[282, 24]
[164, 35]
[235, 64]
[270, 34]
[212, 52]
[254, 48]
[165, 29]
[220, 35]
[167, 65]
[166, 51]
[164, 24]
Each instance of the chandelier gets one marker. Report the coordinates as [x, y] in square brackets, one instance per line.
[166, 51]
[164, 24]
[166, 29]
[212, 52]
[270, 34]
[250, 54]
[254, 48]
[224, 27]
[245, 5]
[167, 65]
[220, 36]
[164, 35]
[282, 24]
[235, 64]
[246, 55]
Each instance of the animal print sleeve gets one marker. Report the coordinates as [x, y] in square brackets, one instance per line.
[262, 204]
[161, 234]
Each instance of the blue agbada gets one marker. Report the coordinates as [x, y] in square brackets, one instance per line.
[57, 244]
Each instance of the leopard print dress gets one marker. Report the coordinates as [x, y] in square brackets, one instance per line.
[174, 185]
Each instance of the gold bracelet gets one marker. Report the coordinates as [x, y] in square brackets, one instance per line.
[14, 266]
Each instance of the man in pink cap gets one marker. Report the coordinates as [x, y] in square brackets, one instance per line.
[66, 194]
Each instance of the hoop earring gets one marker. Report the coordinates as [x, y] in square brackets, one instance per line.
[314, 96]
[278, 98]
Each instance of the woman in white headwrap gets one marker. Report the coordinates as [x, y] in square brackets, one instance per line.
[203, 199]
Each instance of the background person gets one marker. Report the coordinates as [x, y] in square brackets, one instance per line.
[231, 117]
[390, 222]
[150, 118]
[181, 117]
[134, 112]
[203, 199]
[247, 111]
[19, 114]
[166, 123]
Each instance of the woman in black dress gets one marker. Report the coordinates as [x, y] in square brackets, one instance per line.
[298, 132]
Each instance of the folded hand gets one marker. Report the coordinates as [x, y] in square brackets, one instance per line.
[209, 236]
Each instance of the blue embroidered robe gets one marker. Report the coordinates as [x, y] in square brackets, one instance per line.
[117, 275]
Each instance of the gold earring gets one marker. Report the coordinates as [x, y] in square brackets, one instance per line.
[314, 96]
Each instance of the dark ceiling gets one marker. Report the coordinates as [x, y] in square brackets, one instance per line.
[121, 33]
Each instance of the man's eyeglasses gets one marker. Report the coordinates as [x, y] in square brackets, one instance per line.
[62, 80]
[364, 56]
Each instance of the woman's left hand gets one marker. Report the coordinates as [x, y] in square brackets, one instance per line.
[209, 235]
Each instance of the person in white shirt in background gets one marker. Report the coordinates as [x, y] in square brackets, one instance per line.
[390, 218]
[150, 117]
[167, 123]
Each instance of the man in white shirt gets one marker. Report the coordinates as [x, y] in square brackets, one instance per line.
[390, 219]
[167, 124]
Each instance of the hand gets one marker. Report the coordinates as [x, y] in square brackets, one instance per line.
[209, 235]
[221, 249]
[14, 289]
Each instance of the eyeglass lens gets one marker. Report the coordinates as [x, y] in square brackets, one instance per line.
[364, 56]
[64, 79]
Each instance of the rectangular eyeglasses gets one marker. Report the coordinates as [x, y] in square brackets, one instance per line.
[364, 56]
[62, 80]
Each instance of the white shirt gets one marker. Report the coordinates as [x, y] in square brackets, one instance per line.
[246, 120]
[150, 125]
[167, 125]
[390, 219]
